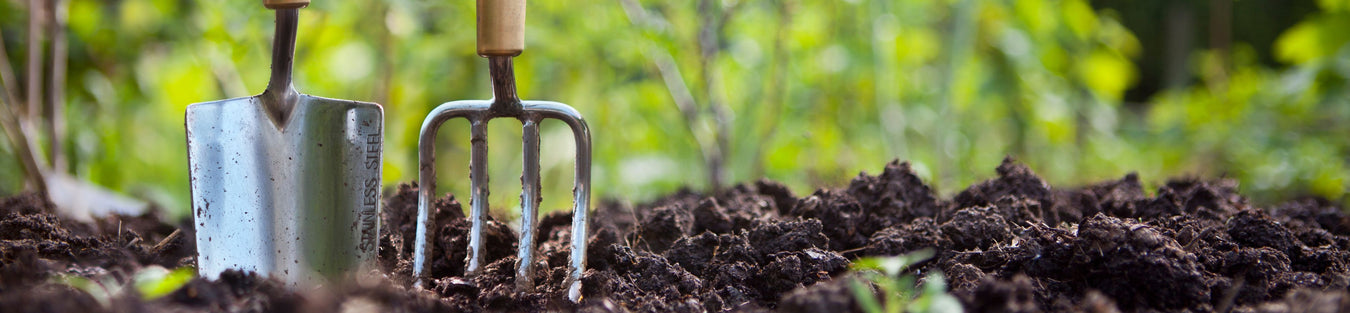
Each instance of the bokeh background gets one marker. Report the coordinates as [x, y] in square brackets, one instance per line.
[708, 93]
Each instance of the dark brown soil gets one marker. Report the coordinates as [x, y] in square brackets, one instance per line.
[1009, 244]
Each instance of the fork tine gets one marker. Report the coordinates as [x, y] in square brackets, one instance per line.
[581, 188]
[478, 204]
[581, 205]
[426, 177]
[529, 204]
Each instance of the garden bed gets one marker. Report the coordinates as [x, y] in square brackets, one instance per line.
[1011, 243]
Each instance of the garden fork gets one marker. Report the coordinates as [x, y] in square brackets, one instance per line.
[501, 36]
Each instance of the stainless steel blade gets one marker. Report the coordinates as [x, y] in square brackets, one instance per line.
[299, 202]
[285, 184]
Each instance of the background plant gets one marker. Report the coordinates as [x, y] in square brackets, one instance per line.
[707, 93]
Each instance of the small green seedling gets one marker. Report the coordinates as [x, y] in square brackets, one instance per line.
[900, 293]
[154, 282]
[151, 282]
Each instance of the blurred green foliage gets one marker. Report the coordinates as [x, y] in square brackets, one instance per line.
[806, 92]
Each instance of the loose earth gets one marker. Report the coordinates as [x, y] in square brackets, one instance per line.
[1009, 244]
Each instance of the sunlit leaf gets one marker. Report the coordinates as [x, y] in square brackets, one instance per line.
[1299, 44]
[1108, 74]
[155, 282]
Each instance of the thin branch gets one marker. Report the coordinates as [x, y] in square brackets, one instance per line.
[778, 87]
[10, 95]
[24, 123]
[35, 28]
[32, 170]
[9, 122]
[710, 44]
[56, 101]
[226, 74]
[675, 84]
[670, 73]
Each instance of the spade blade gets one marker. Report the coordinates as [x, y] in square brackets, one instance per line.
[297, 199]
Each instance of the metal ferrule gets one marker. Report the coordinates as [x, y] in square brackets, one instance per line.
[505, 104]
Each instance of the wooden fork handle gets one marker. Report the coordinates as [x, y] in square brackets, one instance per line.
[285, 4]
[501, 27]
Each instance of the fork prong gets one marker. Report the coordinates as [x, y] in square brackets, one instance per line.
[478, 182]
[529, 204]
[581, 206]
[581, 189]
[426, 177]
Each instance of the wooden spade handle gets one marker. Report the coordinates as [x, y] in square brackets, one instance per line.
[285, 4]
[501, 27]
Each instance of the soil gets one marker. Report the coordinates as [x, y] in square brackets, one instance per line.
[1009, 244]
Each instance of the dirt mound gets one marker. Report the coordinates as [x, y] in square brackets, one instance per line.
[1009, 244]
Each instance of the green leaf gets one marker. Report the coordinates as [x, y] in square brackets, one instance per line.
[95, 289]
[866, 298]
[154, 282]
[1108, 74]
[1299, 44]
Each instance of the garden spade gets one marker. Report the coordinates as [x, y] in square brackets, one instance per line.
[283, 183]
[501, 36]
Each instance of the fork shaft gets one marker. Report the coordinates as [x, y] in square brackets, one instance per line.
[529, 204]
[505, 101]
